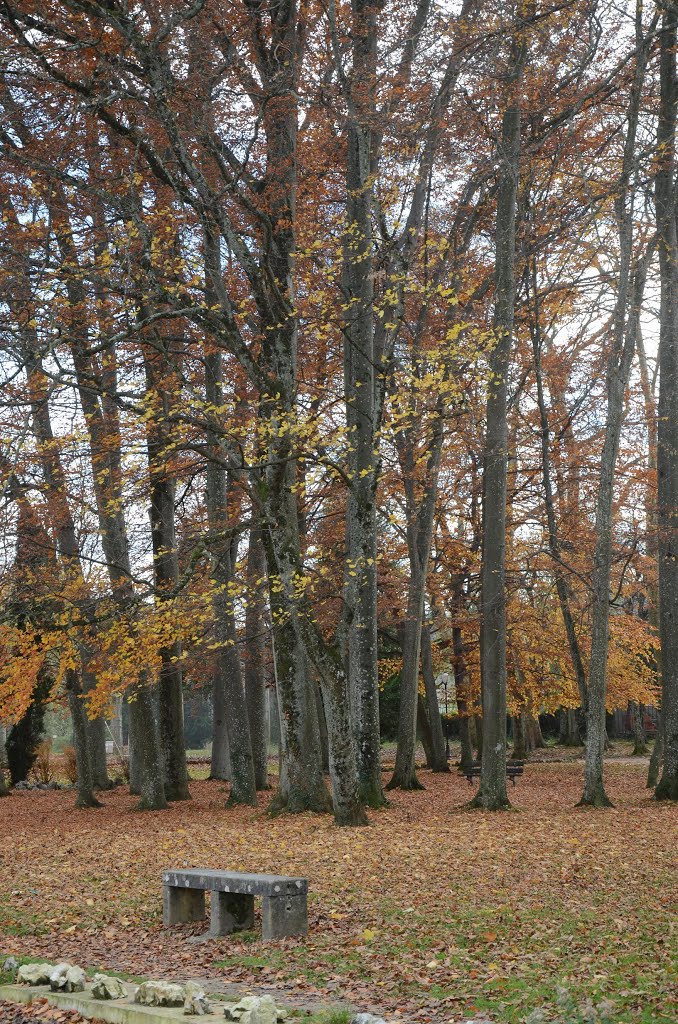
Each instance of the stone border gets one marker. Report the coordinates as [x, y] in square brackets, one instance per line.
[113, 1011]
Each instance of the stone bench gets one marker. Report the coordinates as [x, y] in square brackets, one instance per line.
[284, 910]
[514, 769]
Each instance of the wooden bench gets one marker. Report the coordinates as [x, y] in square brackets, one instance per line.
[284, 909]
[513, 770]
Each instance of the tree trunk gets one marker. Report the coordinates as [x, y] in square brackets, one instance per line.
[667, 429]
[300, 731]
[640, 748]
[149, 768]
[656, 756]
[362, 380]
[424, 729]
[569, 728]
[220, 760]
[158, 365]
[85, 783]
[420, 517]
[478, 729]
[492, 793]
[96, 738]
[324, 736]
[519, 751]
[231, 728]
[438, 759]
[96, 730]
[255, 658]
[405, 775]
[536, 741]
[622, 348]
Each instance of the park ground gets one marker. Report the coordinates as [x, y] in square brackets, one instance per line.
[431, 914]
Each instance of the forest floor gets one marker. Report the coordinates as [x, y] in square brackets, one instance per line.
[432, 913]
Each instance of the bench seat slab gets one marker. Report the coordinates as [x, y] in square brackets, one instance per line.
[235, 881]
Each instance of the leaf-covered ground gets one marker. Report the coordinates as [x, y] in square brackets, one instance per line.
[431, 913]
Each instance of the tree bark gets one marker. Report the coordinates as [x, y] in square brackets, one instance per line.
[424, 729]
[519, 751]
[492, 793]
[220, 759]
[622, 348]
[85, 783]
[656, 756]
[667, 429]
[438, 760]
[255, 658]
[640, 748]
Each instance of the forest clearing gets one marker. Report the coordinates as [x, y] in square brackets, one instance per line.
[432, 913]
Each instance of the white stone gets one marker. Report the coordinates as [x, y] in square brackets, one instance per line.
[254, 1010]
[159, 993]
[367, 1018]
[34, 974]
[195, 1000]
[67, 978]
[106, 987]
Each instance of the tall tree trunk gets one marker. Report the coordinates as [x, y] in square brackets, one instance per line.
[639, 737]
[461, 684]
[492, 793]
[85, 783]
[228, 697]
[667, 430]
[159, 368]
[569, 728]
[255, 658]
[622, 348]
[656, 756]
[535, 733]
[360, 384]
[405, 775]
[300, 740]
[519, 739]
[438, 760]
[420, 517]
[424, 729]
[220, 759]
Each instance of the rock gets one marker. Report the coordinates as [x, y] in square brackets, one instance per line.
[34, 974]
[195, 1000]
[10, 966]
[367, 1018]
[105, 987]
[67, 978]
[255, 1010]
[159, 993]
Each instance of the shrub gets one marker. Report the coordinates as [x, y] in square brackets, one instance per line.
[70, 765]
[43, 770]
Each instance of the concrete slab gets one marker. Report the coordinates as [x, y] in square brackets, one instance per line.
[114, 1011]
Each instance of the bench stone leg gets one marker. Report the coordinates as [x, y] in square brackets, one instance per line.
[180, 905]
[231, 912]
[284, 915]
